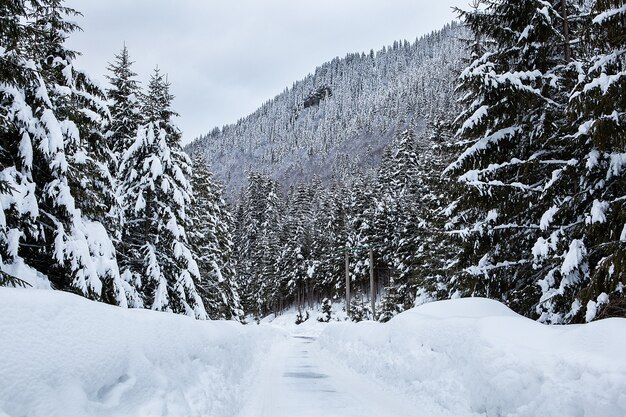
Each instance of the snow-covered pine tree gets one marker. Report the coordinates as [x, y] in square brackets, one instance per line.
[55, 157]
[437, 252]
[391, 304]
[271, 276]
[360, 233]
[295, 262]
[409, 182]
[212, 246]
[157, 194]
[582, 250]
[359, 308]
[249, 218]
[514, 103]
[124, 96]
[388, 220]
[327, 311]
[80, 101]
[257, 237]
[397, 212]
[329, 239]
[18, 212]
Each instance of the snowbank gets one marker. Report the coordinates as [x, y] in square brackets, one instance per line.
[475, 357]
[62, 355]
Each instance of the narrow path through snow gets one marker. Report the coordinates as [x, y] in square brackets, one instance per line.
[298, 379]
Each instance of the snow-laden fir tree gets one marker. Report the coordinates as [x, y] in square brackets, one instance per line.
[396, 214]
[432, 251]
[157, 256]
[257, 237]
[270, 274]
[327, 311]
[328, 243]
[81, 101]
[360, 227]
[391, 304]
[412, 249]
[212, 245]
[581, 252]
[17, 212]
[54, 158]
[514, 101]
[124, 97]
[295, 261]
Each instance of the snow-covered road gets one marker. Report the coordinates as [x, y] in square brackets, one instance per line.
[299, 379]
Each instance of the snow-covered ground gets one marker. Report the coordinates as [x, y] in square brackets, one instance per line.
[65, 356]
[475, 357]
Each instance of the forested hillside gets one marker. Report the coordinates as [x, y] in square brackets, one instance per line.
[504, 179]
[339, 119]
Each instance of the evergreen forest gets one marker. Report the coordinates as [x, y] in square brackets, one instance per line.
[486, 159]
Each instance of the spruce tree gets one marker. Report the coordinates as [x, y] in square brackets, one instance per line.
[81, 104]
[360, 233]
[581, 252]
[270, 245]
[247, 238]
[329, 236]
[54, 157]
[257, 237]
[212, 245]
[124, 96]
[514, 102]
[432, 251]
[295, 260]
[397, 214]
[17, 211]
[157, 254]
[391, 304]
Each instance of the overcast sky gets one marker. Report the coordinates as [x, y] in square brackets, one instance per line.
[226, 57]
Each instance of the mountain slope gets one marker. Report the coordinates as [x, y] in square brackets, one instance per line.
[340, 118]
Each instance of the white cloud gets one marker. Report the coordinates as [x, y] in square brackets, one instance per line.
[226, 57]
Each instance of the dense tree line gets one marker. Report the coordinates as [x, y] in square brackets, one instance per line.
[96, 193]
[293, 244]
[519, 195]
[486, 159]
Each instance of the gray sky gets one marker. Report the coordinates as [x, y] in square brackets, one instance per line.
[226, 57]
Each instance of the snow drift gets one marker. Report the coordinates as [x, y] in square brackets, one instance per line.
[475, 357]
[62, 355]
[65, 356]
